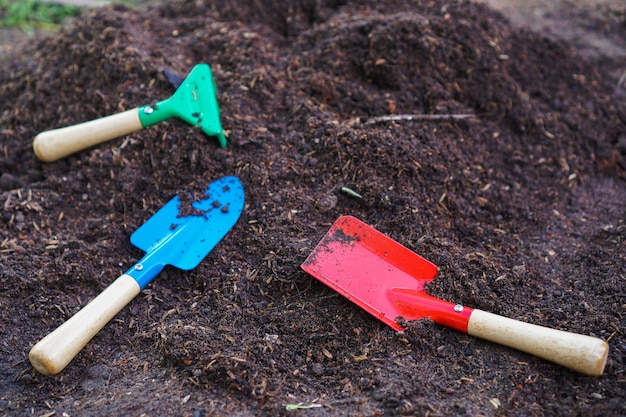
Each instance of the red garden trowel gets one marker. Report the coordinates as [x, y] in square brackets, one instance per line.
[195, 102]
[388, 280]
[168, 238]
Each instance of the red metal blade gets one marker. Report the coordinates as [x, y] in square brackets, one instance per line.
[368, 267]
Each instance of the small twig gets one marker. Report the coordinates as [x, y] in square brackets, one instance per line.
[292, 407]
[351, 192]
[403, 117]
[621, 82]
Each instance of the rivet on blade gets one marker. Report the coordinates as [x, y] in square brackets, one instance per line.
[148, 110]
[458, 308]
[139, 267]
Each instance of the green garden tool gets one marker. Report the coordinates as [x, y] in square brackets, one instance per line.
[195, 102]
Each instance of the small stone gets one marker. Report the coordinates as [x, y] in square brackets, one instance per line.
[519, 270]
[327, 202]
[10, 182]
[317, 369]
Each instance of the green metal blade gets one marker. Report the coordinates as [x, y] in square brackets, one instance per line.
[195, 102]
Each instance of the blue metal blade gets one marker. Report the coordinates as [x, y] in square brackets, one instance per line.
[183, 241]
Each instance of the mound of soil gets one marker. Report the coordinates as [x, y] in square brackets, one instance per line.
[521, 206]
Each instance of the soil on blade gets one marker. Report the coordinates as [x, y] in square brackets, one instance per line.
[521, 206]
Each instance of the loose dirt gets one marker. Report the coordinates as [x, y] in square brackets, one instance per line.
[521, 206]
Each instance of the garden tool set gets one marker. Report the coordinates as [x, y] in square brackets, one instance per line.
[370, 269]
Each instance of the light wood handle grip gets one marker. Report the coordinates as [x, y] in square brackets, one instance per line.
[59, 143]
[57, 349]
[584, 354]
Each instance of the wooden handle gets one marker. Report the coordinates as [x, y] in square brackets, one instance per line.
[56, 350]
[59, 143]
[584, 354]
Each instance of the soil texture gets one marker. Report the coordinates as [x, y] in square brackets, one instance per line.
[496, 153]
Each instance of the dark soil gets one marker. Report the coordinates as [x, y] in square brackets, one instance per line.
[521, 207]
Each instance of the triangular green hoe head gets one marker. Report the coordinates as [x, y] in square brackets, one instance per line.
[195, 102]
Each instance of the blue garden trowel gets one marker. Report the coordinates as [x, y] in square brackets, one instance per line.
[168, 239]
